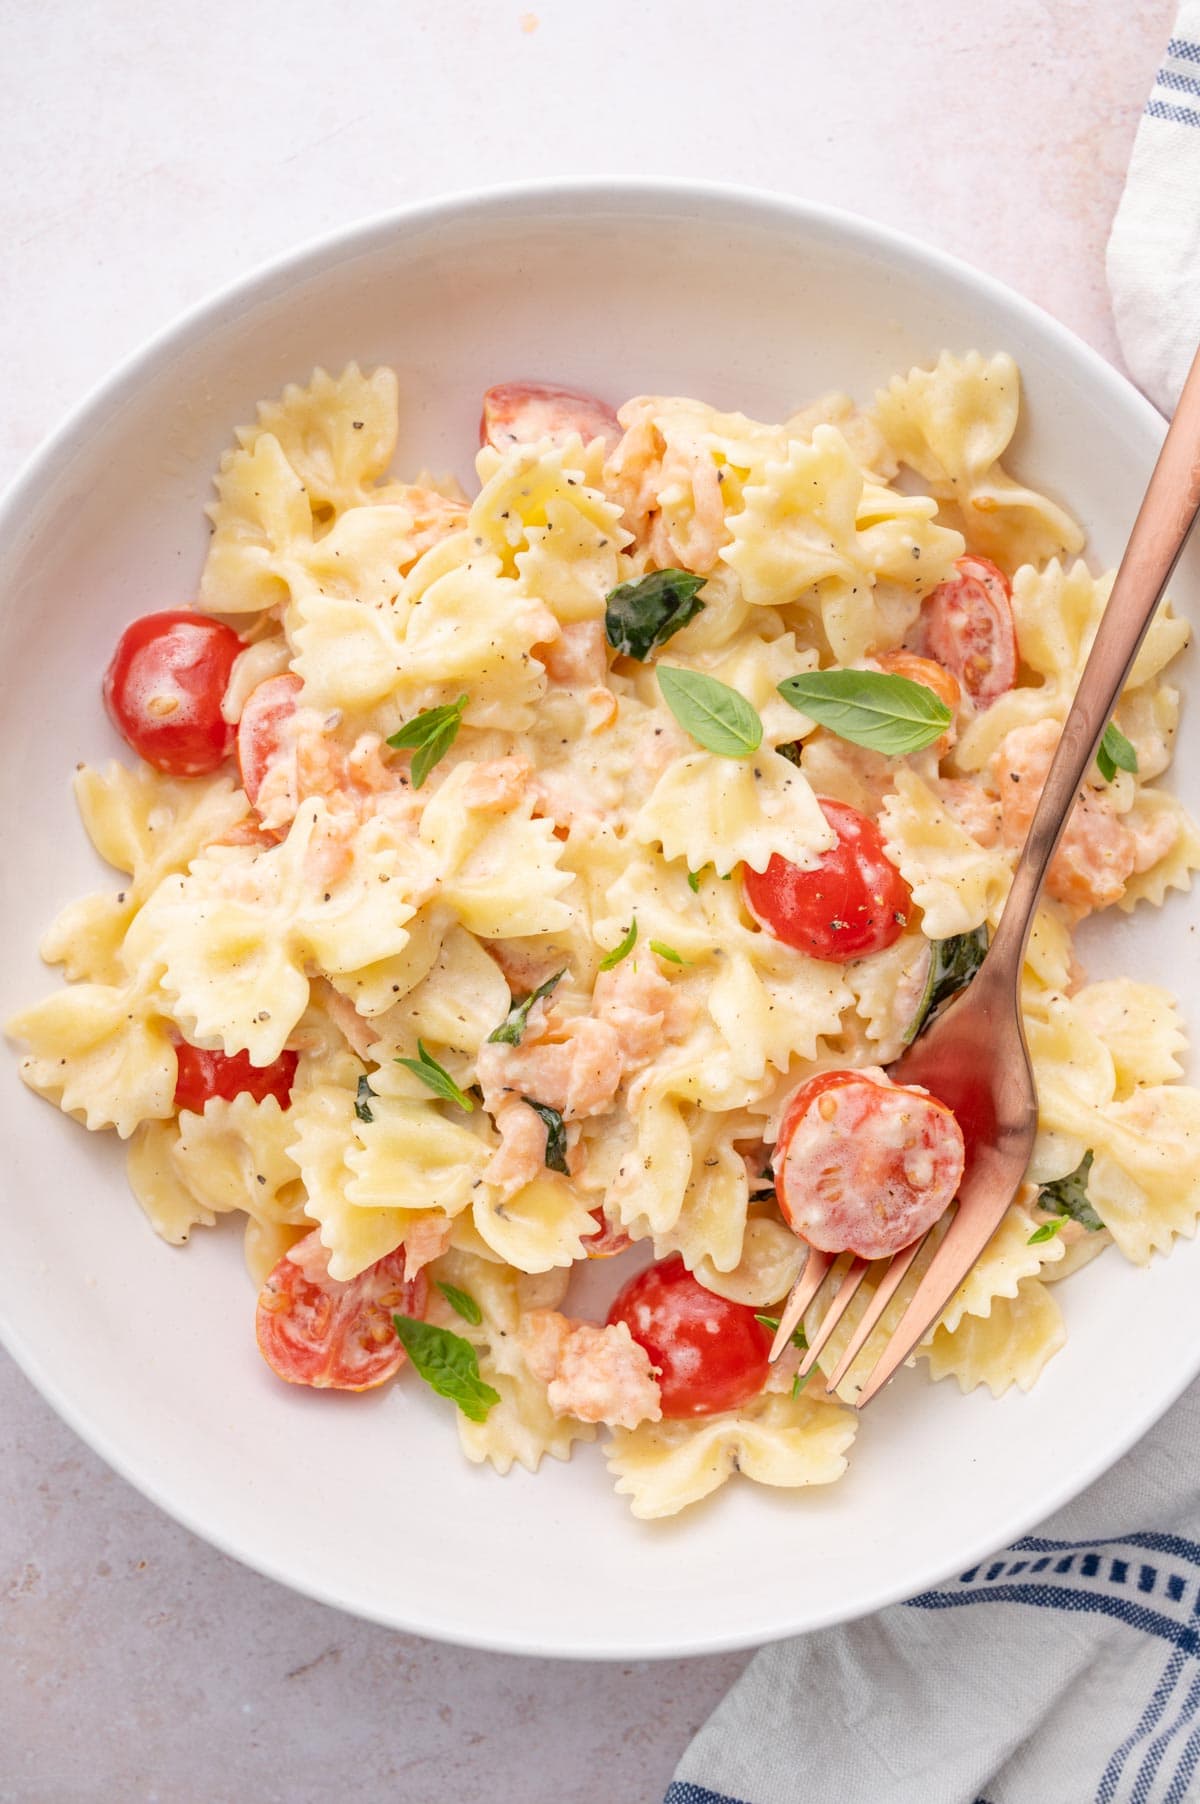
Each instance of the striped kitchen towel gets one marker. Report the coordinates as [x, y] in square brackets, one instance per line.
[1065, 1670]
[1154, 251]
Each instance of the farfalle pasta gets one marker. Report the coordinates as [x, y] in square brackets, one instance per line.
[453, 946]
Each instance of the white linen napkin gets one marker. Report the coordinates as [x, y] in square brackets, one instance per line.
[1066, 1670]
[1154, 250]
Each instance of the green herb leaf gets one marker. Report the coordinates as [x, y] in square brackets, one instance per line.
[667, 952]
[1069, 1196]
[437, 1077]
[799, 1382]
[429, 737]
[642, 615]
[362, 1100]
[461, 1301]
[1047, 1231]
[715, 715]
[448, 1364]
[623, 950]
[512, 1028]
[556, 1135]
[1115, 753]
[791, 751]
[798, 1336]
[694, 882]
[952, 965]
[888, 713]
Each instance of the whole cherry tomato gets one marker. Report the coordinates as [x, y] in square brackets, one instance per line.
[711, 1353]
[852, 903]
[202, 1075]
[164, 689]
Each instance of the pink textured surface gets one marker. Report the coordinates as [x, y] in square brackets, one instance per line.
[153, 155]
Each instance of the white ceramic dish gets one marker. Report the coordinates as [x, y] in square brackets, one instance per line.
[750, 302]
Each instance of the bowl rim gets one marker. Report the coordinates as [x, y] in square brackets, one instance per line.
[573, 197]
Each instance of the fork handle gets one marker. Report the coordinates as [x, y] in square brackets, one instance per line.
[1159, 533]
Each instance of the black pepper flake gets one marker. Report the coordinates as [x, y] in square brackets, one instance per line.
[357, 425]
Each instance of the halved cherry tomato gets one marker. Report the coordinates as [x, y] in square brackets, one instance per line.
[853, 903]
[202, 1075]
[967, 625]
[518, 413]
[313, 1330]
[711, 1354]
[607, 1241]
[863, 1165]
[164, 688]
[266, 711]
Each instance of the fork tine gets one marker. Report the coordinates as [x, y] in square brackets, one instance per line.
[885, 1290]
[854, 1274]
[965, 1239]
[816, 1267]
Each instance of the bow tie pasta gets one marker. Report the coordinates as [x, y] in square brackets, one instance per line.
[455, 948]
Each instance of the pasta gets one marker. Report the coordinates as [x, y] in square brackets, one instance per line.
[494, 952]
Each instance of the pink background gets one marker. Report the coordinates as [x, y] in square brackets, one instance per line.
[154, 152]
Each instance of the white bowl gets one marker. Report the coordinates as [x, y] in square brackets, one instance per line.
[751, 302]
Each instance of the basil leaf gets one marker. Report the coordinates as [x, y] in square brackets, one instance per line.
[1047, 1231]
[1115, 753]
[642, 615]
[694, 882]
[429, 736]
[448, 1364]
[512, 1028]
[952, 965]
[623, 950]
[461, 1301]
[715, 715]
[667, 952]
[556, 1135]
[437, 1077]
[362, 1100]
[888, 713]
[798, 1336]
[1068, 1196]
[798, 1382]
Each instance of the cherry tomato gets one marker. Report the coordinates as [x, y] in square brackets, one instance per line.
[518, 413]
[967, 625]
[267, 710]
[864, 1165]
[164, 688]
[313, 1330]
[853, 903]
[203, 1074]
[607, 1241]
[711, 1354]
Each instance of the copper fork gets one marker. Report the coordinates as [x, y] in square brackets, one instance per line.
[973, 1055]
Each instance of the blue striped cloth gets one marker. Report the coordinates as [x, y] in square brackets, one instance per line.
[1154, 250]
[1066, 1670]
